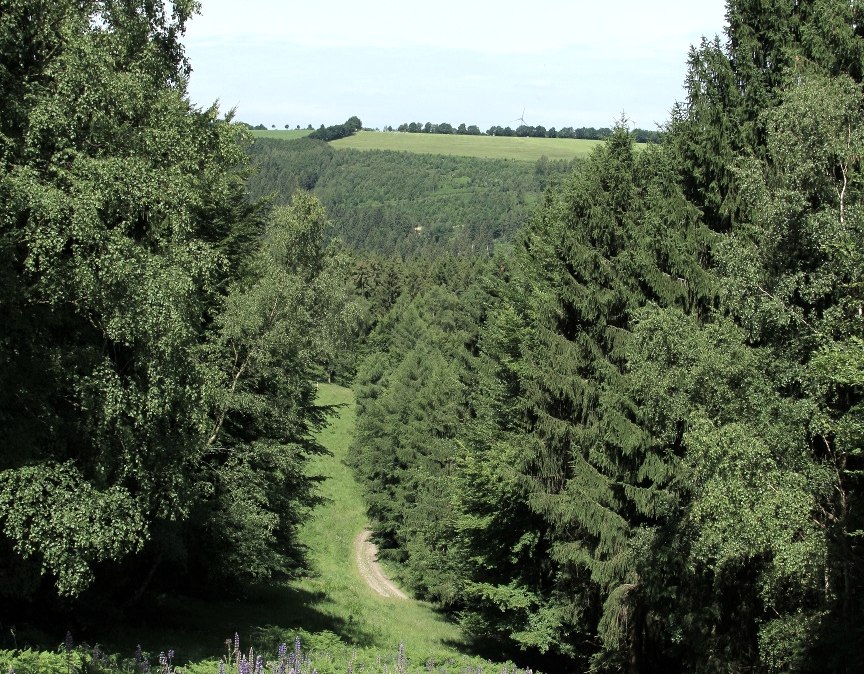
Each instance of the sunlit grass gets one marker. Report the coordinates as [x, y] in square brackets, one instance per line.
[281, 134]
[489, 147]
[352, 607]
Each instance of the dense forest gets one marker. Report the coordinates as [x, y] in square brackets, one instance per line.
[634, 440]
[628, 440]
[160, 334]
[403, 204]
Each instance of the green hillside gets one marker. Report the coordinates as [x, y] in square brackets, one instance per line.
[281, 134]
[487, 147]
[405, 202]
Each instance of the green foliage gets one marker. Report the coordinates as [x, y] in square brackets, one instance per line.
[51, 512]
[262, 400]
[413, 399]
[349, 128]
[150, 406]
[112, 195]
[387, 202]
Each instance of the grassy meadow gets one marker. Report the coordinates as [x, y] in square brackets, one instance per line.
[487, 147]
[282, 134]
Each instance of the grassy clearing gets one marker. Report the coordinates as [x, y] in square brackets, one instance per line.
[488, 147]
[348, 606]
[282, 134]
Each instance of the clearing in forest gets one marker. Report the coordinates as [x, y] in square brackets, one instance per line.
[345, 601]
[488, 147]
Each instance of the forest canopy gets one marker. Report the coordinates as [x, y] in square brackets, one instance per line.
[160, 332]
[610, 413]
[633, 441]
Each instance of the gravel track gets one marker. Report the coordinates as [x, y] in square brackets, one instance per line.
[366, 554]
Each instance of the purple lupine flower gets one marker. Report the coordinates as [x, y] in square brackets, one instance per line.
[162, 659]
[236, 642]
[221, 667]
[170, 654]
[68, 644]
[283, 649]
[259, 665]
[297, 649]
[401, 661]
[244, 665]
[138, 656]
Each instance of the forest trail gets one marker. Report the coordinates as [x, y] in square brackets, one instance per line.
[366, 554]
[338, 594]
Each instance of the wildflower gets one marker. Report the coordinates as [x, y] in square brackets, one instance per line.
[283, 649]
[68, 644]
[401, 660]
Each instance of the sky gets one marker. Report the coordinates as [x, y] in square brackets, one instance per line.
[550, 62]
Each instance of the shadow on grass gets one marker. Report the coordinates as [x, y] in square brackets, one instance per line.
[197, 628]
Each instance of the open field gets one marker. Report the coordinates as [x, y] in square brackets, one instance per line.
[282, 134]
[489, 147]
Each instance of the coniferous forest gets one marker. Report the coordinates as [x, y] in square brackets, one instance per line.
[610, 414]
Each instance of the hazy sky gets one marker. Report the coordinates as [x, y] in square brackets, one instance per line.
[566, 63]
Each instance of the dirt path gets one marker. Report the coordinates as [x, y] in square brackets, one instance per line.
[366, 554]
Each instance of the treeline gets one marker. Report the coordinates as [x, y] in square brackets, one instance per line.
[159, 334]
[398, 203]
[526, 131]
[634, 440]
[337, 131]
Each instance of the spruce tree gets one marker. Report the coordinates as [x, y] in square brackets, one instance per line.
[618, 238]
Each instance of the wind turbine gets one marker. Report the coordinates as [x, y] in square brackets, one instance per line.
[520, 119]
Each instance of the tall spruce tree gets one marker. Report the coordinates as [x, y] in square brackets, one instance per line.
[618, 237]
[413, 398]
